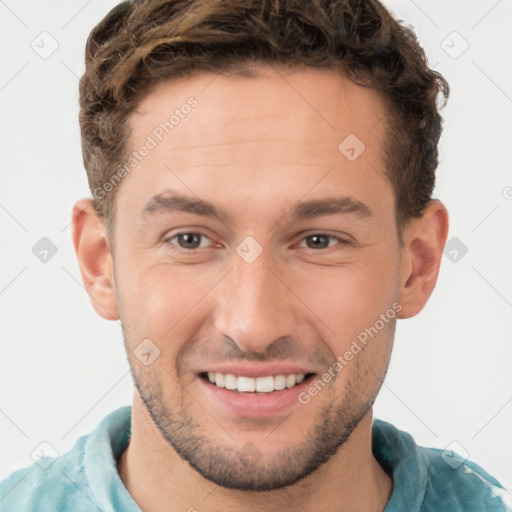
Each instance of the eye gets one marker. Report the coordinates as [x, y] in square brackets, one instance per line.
[190, 241]
[187, 240]
[321, 241]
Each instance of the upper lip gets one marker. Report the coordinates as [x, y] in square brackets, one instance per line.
[257, 370]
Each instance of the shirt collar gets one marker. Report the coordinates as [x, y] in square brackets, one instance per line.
[398, 454]
[102, 448]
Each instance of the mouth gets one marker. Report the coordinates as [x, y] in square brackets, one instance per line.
[254, 391]
[255, 385]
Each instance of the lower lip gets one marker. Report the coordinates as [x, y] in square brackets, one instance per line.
[253, 405]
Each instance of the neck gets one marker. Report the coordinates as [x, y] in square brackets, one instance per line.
[158, 479]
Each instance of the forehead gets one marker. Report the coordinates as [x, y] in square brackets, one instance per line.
[315, 106]
[287, 127]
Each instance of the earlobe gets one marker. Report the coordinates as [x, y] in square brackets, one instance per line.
[94, 258]
[424, 242]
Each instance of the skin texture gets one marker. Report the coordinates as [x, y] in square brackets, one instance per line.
[255, 147]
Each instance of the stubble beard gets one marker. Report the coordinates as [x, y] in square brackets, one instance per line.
[246, 470]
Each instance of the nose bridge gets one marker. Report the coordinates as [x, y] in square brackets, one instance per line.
[254, 307]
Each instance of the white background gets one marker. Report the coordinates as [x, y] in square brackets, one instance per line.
[63, 368]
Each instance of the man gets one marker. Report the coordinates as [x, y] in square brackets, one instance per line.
[262, 175]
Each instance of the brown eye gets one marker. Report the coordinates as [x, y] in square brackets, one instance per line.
[317, 241]
[187, 241]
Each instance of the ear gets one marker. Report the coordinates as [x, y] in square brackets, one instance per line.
[424, 241]
[94, 258]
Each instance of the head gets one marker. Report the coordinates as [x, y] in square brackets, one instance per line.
[222, 142]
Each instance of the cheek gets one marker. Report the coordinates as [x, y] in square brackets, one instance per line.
[166, 302]
[160, 302]
[352, 296]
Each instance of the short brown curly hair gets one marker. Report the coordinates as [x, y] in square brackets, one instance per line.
[141, 42]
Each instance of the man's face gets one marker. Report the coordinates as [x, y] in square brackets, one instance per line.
[272, 288]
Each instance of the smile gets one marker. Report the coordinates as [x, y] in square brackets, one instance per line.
[258, 385]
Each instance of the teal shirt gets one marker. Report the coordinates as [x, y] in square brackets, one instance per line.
[86, 478]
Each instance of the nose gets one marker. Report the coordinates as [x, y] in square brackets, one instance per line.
[255, 305]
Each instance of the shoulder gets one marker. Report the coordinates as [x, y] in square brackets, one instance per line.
[83, 479]
[431, 479]
[50, 483]
[453, 478]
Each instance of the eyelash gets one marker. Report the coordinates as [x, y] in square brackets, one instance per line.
[194, 251]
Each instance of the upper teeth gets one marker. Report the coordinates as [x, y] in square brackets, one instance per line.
[259, 384]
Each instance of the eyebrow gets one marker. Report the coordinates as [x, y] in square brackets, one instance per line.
[175, 202]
